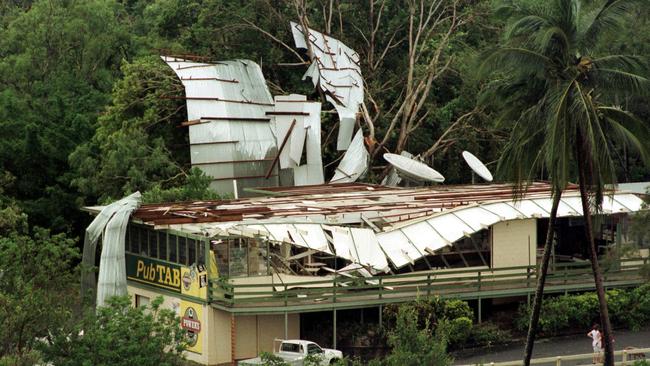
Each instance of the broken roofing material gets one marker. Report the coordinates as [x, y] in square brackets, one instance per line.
[230, 135]
[412, 169]
[296, 125]
[354, 163]
[408, 224]
[403, 243]
[110, 223]
[335, 70]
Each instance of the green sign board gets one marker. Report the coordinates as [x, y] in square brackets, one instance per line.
[153, 272]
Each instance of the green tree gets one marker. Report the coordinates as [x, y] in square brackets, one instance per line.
[413, 345]
[37, 294]
[119, 334]
[137, 145]
[58, 61]
[563, 100]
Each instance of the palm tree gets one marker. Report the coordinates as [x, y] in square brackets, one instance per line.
[561, 97]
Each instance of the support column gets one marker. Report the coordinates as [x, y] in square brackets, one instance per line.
[233, 340]
[381, 313]
[480, 315]
[286, 325]
[334, 329]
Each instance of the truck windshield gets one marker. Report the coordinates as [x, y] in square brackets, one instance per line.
[290, 347]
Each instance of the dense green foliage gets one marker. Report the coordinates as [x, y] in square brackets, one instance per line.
[456, 317]
[628, 308]
[36, 296]
[120, 334]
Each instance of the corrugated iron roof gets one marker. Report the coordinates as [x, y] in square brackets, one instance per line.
[343, 203]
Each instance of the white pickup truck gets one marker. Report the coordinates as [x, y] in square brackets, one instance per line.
[295, 351]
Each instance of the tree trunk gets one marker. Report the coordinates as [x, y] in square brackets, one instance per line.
[541, 279]
[593, 255]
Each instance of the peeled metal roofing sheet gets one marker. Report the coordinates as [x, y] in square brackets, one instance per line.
[311, 236]
[423, 237]
[400, 255]
[450, 227]
[530, 209]
[630, 201]
[342, 241]
[573, 206]
[354, 162]
[234, 89]
[414, 240]
[477, 217]
[335, 70]
[368, 250]
[503, 210]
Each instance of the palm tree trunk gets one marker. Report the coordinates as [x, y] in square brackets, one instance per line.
[541, 279]
[593, 255]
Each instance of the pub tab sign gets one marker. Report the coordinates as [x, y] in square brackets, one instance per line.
[153, 272]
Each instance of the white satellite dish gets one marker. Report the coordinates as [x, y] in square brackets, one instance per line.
[413, 169]
[477, 166]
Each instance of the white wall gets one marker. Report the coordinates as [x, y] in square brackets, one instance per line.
[514, 243]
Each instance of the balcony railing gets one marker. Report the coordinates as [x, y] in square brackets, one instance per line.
[340, 292]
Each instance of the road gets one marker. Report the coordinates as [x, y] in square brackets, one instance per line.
[567, 345]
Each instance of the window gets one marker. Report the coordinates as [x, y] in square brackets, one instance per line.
[141, 301]
[257, 258]
[162, 245]
[144, 241]
[182, 250]
[153, 243]
[134, 238]
[173, 249]
[238, 257]
[191, 251]
[220, 250]
[291, 347]
[201, 249]
[313, 349]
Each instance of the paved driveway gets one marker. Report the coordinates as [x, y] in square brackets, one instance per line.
[567, 345]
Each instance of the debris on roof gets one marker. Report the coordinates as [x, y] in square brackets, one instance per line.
[354, 163]
[335, 70]
[407, 224]
[229, 131]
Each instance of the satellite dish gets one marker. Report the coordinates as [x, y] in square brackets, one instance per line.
[413, 169]
[477, 166]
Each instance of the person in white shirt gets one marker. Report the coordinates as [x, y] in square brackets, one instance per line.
[596, 342]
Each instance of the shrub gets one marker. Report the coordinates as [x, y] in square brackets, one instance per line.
[269, 359]
[120, 335]
[628, 308]
[415, 346]
[459, 330]
[487, 335]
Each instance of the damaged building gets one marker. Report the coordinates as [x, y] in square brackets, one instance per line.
[243, 271]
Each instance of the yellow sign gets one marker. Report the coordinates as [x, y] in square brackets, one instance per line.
[194, 281]
[193, 322]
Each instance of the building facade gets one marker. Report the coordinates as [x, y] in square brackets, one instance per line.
[240, 273]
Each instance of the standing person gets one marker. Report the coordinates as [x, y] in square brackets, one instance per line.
[596, 342]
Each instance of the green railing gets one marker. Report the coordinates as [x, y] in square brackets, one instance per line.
[344, 292]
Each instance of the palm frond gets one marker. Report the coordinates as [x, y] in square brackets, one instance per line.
[633, 132]
[629, 63]
[515, 60]
[608, 20]
[618, 81]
